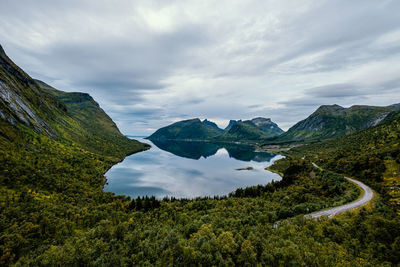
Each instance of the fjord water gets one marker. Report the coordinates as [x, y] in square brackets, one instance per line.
[189, 170]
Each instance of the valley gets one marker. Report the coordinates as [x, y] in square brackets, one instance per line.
[56, 147]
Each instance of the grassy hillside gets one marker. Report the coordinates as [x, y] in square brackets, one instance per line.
[331, 121]
[236, 131]
[193, 129]
[54, 150]
[371, 155]
[242, 131]
[251, 130]
[85, 123]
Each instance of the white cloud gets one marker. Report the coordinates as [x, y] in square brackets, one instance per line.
[149, 63]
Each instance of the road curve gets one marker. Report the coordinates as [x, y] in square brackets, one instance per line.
[368, 195]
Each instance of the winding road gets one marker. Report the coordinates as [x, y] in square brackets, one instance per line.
[368, 194]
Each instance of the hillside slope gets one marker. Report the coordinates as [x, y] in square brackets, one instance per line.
[55, 213]
[67, 117]
[54, 150]
[333, 120]
[371, 155]
[193, 129]
[250, 130]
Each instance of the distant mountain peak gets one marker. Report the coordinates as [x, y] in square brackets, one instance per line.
[231, 124]
[210, 123]
[259, 121]
[192, 120]
[254, 129]
[330, 109]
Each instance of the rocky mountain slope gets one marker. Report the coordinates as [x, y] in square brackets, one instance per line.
[333, 120]
[195, 129]
[255, 129]
[230, 124]
[371, 155]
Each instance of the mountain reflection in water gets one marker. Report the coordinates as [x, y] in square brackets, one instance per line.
[196, 150]
[190, 169]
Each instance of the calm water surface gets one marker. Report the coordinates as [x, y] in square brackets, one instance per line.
[189, 169]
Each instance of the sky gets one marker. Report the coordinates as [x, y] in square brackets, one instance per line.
[151, 63]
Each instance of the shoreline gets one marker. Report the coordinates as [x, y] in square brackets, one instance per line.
[146, 147]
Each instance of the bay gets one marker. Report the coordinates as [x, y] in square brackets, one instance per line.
[190, 169]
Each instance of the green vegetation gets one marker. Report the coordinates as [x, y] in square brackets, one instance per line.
[237, 131]
[247, 131]
[250, 130]
[54, 150]
[331, 121]
[53, 156]
[372, 156]
[194, 129]
[93, 227]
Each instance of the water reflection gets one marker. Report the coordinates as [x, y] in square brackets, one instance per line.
[191, 150]
[196, 150]
[190, 169]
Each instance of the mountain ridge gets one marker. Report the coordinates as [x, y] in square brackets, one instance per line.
[258, 128]
[187, 129]
[329, 121]
[75, 116]
[237, 130]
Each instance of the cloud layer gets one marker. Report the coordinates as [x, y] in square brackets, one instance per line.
[149, 63]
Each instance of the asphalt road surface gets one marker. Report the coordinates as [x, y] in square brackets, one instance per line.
[367, 196]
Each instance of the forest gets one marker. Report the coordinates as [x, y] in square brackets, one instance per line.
[54, 213]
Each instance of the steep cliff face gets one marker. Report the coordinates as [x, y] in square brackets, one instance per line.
[22, 101]
[73, 117]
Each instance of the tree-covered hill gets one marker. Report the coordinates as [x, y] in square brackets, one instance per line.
[237, 131]
[193, 129]
[251, 130]
[333, 120]
[371, 155]
[54, 150]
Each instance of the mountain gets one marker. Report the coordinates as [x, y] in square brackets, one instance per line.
[268, 127]
[21, 100]
[371, 155]
[230, 125]
[55, 148]
[193, 129]
[255, 129]
[210, 123]
[33, 114]
[333, 120]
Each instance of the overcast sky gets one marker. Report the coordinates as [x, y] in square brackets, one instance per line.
[150, 63]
